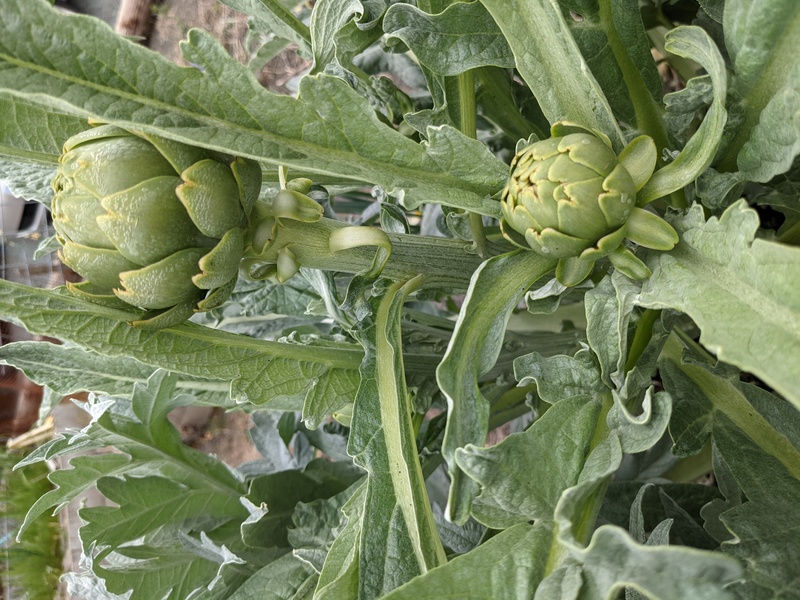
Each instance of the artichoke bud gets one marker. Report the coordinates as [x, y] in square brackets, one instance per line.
[152, 223]
[295, 205]
[570, 197]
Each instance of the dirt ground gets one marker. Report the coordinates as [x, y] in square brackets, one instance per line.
[174, 18]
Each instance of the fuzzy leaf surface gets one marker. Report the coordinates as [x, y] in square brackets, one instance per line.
[189, 349]
[741, 292]
[77, 65]
[462, 37]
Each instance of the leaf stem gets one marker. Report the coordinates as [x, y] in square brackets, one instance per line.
[446, 263]
[644, 331]
[691, 468]
[646, 110]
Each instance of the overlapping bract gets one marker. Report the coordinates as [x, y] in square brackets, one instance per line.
[152, 223]
[572, 198]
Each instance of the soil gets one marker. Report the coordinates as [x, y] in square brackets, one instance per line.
[174, 18]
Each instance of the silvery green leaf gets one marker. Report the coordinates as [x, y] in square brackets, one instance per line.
[696, 156]
[30, 144]
[287, 578]
[73, 482]
[315, 526]
[146, 504]
[487, 572]
[188, 349]
[340, 573]
[758, 35]
[764, 525]
[561, 377]
[705, 394]
[638, 433]
[76, 65]
[335, 34]
[399, 539]
[732, 497]
[609, 310]
[461, 37]
[273, 16]
[495, 290]
[740, 291]
[70, 369]
[613, 561]
[517, 483]
[272, 498]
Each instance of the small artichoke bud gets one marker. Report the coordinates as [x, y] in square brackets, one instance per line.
[291, 204]
[570, 197]
[152, 223]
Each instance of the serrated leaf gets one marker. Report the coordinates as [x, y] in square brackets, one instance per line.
[517, 483]
[561, 377]
[71, 483]
[331, 393]
[461, 37]
[340, 573]
[613, 561]
[272, 498]
[189, 349]
[509, 565]
[552, 65]
[335, 34]
[495, 290]
[720, 275]
[766, 525]
[315, 527]
[79, 66]
[273, 16]
[71, 369]
[641, 432]
[287, 578]
[145, 504]
[30, 144]
[609, 309]
[169, 572]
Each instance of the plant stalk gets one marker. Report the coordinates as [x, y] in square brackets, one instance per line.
[446, 263]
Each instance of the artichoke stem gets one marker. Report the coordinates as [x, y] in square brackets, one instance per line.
[447, 264]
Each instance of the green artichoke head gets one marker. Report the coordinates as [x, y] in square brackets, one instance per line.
[570, 197]
[152, 223]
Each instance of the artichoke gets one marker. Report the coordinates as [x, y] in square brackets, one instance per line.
[152, 223]
[572, 198]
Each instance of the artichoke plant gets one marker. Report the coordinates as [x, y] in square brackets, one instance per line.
[572, 198]
[152, 223]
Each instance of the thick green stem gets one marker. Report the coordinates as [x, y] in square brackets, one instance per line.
[644, 331]
[646, 110]
[446, 263]
[691, 468]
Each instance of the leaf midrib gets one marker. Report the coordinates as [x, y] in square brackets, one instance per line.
[443, 180]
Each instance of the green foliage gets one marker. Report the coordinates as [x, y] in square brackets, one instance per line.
[648, 443]
[33, 562]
